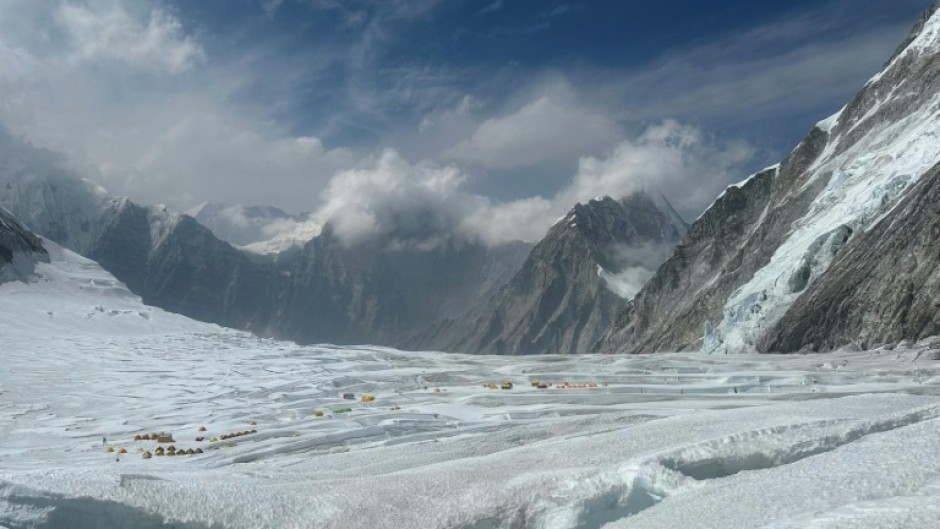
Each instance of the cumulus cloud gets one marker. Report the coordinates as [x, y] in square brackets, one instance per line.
[671, 158]
[635, 265]
[676, 160]
[389, 197]
[541, 131]
[427, 202]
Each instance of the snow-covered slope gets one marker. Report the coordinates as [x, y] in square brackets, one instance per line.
[873, 155]
[73, 296]
[765, 243]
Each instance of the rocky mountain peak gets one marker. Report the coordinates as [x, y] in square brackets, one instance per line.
[572, 282]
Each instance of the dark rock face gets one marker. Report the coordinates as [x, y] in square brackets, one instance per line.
[18, 246]
[175, 263]
[765, 244]
[883, 288]
[558, 302]
[379, 293]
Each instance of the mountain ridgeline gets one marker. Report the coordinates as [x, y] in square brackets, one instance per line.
[449, 296]
[325, 292]
[835, 247]
[567, 291]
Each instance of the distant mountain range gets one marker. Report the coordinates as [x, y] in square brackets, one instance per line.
[835, 246]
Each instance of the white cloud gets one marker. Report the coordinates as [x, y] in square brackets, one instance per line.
[391, 198]
[669, 158]
[812, 61]
[209, 153]
[113, 87]
[541, 131]
[426, 202]
[106, 30]
[674, 159]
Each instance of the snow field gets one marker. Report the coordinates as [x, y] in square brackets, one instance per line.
[670, 440]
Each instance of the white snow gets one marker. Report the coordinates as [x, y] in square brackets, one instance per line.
[669, 440]
[829, 123]
[291, 234]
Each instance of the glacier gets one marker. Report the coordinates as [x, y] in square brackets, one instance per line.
[669, 440]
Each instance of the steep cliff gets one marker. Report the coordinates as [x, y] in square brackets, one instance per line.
[724, 293]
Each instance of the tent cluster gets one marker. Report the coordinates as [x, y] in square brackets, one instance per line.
[172, 451]
[504, 385]
[158, 437]
[236, 434]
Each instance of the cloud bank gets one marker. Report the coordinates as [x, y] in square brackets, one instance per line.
[389, 197]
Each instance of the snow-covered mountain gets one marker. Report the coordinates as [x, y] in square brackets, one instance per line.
[373, 292]
[772, 259]
[572, 283]
[263, 230]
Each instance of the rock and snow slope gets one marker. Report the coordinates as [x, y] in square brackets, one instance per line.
[765, 244]
[573, 282]
[836, 440]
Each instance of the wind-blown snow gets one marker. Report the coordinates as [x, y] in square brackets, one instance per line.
[626, 283]
[667, 440]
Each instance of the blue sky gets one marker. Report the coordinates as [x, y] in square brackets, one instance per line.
[520, 107]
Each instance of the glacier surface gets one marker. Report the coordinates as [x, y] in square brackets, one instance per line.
[668, 440]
